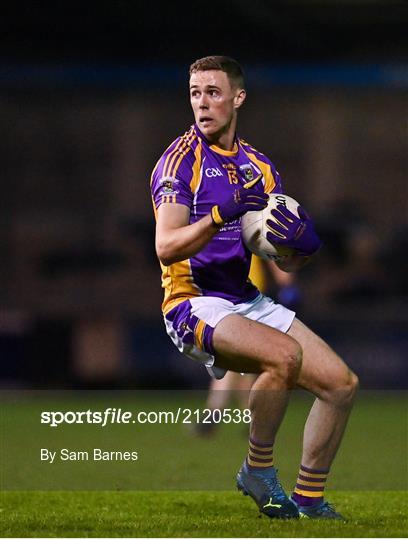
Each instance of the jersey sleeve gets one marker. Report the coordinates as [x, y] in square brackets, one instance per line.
[271, 178]
[170, 182]
[277, 188]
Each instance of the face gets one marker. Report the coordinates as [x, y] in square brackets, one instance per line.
[214, 102]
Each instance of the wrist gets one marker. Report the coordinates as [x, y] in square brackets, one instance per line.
[217, 220]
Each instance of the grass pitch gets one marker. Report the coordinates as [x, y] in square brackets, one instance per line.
[183, 486]
[190, 514]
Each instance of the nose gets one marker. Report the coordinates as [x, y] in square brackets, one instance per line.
[203, 104]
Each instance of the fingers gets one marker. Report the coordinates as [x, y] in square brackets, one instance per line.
[257, 195]
[253, 198]
[256, 201]
[281, 210]
[274, 238]
[276, 230]
[252, 192]
[280, 219]
[253, 207]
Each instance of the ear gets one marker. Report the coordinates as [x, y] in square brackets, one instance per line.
[239, 98]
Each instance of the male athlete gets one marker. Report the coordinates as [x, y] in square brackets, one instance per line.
[202, 185]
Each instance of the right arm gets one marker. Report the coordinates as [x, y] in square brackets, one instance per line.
[176, 240]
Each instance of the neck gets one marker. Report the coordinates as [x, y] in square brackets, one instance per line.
[226, 137]
[225, 141]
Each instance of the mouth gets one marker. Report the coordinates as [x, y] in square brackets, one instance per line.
[205, 119]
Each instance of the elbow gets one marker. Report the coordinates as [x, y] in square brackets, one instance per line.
[166, 261]
[164, 254]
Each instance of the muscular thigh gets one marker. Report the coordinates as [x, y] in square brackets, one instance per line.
[248, 346]
[322, 369]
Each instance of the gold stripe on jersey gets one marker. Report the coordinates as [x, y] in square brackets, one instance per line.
[157, 164]
[266, 171]
[196, 178]
[250, 148]
[177, 279]
[183, 148]
[257, 273]
[170, 155]
[168, 198]
[199, 334]
[179, 149]
[178, 284]
[183, 153]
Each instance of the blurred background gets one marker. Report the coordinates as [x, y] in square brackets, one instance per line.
[89, 99]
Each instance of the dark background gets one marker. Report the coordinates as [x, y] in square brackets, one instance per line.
[91, 95]
[175, 32]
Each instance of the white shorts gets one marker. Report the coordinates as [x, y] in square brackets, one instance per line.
[191, 324]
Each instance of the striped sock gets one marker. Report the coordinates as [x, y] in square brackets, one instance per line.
[260, 454]
[310, 486]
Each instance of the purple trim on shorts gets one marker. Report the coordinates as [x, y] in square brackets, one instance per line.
[184, 323]
[314, 471]
[177, 315]
[208, 339]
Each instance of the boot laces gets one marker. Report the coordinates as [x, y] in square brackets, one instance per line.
[274, 486]
[326, 507]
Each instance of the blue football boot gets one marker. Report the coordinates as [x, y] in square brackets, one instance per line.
[264, 487]
[323, 510]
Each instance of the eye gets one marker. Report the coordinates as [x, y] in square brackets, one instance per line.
[214, 93]
[194, 93]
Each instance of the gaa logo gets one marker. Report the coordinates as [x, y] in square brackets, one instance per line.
[213, 171]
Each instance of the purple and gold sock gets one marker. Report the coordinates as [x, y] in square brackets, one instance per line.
[260, 454]
[310, 486]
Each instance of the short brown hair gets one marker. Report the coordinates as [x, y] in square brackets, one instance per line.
[230, 66]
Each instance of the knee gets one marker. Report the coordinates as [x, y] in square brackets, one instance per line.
[289, 365]
[353, 384]
[345, 390]
[293, 362]
[350, 385]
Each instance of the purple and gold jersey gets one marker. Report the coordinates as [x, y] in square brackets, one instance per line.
[199, 175]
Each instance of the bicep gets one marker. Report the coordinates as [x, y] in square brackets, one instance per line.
[171, 216]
